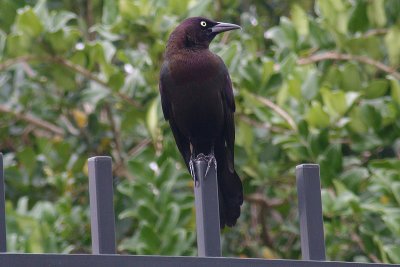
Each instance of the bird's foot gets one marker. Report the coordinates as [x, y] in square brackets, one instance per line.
[210, 158]
[201, 157]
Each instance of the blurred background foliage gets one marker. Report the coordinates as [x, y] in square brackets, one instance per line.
[315, 81]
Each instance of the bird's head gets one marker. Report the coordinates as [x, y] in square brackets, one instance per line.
[198, 32]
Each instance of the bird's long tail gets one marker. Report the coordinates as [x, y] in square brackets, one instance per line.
[230, 189]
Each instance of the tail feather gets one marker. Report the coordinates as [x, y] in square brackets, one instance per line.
[230, 189]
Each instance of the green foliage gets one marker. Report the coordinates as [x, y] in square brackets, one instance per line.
[314, 82]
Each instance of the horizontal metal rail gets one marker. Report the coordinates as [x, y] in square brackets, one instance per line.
[58, 260]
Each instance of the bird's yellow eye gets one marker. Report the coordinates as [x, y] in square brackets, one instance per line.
[203, 23]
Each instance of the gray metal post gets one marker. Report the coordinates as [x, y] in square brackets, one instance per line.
[207, 210]
[101, 205]
[3, 239]
[310, 212]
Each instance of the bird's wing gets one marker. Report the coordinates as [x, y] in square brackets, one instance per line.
[229, 93]
[229, 127]
[181, 141]
[163, 94]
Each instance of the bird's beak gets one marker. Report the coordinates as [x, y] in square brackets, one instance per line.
[223, 27]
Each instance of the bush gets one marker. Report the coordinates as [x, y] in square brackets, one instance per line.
[314, 82]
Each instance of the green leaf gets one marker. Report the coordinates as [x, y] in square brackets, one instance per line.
[60, 20]
[245, 136]
[396, 191]
[318, 142]
[392, 41]
[371, 117]
[197, 8]
[27, 22]
[300, 20]
[316, 116]
[395, 89]
[358, 18]
[393, 252]
[332, 161]
[17, 45]
[95, 93]
[63, 40]
[106, 33]
[350, 77]
[392, 220]
[294, 87]
[3, 40]
[149, 237]
[334, 11]
[366, 45]
[152, 118]
[130, 10]
[116, 81]
[335, 101]
[310, 87]
[319, 36]
[284, 36]
[42, 13]
[376, 88]
[110, 11]
[356, 122]
[353, 178]
[288, 65]
[376, 13]
[28, 159]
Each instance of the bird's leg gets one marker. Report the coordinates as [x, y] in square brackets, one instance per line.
[192, 172]
[211, 159]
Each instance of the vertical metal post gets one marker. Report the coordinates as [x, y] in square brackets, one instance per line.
[310, 212]
[3, 239]
[101, 205]
[207, 210]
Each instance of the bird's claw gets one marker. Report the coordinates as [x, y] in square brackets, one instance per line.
[210, 159]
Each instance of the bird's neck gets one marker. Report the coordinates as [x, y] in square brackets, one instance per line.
[182, 43]
[188, 66]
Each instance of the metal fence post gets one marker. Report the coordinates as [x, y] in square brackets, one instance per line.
[310, 212]
[3, 239]
[101, 205]
[207, 210]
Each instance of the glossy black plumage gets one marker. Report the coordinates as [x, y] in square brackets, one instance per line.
[197, 100]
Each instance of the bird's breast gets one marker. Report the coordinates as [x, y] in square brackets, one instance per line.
[196, 97]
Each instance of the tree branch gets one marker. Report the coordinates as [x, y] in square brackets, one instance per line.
[260, 199]
[34, 120]
[374, 32]
[333, 55]
[69, 65]
[360, 243]
[116, 133]
[8, 63]
[119, 167]
[261, 125]
[280, 111]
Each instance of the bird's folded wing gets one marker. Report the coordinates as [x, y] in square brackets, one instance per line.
[181, 141]
[229, 127]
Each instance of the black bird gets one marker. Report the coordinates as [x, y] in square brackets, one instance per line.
[197, 100]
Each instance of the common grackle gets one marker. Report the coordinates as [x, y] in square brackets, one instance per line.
[197, 100]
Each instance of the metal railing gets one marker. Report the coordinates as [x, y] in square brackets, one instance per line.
[207, 221]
